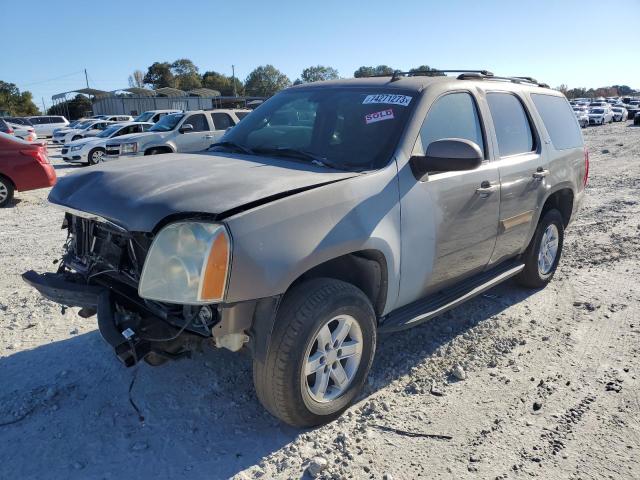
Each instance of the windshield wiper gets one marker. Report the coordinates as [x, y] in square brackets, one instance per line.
[301, 154]
[234, 146]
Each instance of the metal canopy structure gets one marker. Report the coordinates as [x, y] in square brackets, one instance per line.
[203, 92]
[170, 92]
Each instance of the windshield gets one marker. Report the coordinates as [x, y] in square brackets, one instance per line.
[109, 131]
[167, 123]
[143, 117]
[343, 127]
[597, 110]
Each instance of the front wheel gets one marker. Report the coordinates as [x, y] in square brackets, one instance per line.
[543, 253]
[96, 156]
[320, 353]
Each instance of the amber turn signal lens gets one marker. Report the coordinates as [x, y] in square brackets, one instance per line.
[215, 276]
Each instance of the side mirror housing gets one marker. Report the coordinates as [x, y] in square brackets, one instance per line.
[187, 127]
[447, 155]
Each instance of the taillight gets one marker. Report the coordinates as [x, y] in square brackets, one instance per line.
[586, 167]
[9, 130]
[39, 154]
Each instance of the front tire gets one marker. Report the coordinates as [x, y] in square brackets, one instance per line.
[6, 191]
[320, 353]
[96, 156]
[542, 256]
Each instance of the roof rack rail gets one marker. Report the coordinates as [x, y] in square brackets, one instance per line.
[397, 73]
[480, 76]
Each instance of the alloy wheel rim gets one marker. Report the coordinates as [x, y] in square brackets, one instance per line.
[97, 156]
[548, 249]
[4, 192]
[332, 358]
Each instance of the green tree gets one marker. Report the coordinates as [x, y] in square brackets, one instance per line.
[372, 71]
[159, 75]
[222, 83]
[78, 107]
[185, 74]
[426, 68]
[265, 81]
[319, 73]
[15, 102]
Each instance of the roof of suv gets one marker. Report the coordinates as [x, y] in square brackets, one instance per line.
[418, 83]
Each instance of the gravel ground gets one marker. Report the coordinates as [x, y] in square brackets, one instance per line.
[514, 384]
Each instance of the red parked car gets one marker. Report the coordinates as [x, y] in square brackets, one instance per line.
[23, 166]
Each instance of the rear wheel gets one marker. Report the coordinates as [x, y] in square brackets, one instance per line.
[320, 353]
[96, 156]
[543, 253]
[6, 191]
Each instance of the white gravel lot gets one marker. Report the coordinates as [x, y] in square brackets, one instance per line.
[551, 387]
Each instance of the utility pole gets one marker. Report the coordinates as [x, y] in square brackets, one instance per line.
[86, 77]
[44, 107]
[233, 80]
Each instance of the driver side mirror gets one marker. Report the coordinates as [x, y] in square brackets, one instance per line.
[447, 155]
[187, 127]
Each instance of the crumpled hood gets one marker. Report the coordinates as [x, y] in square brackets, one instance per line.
[138, 193]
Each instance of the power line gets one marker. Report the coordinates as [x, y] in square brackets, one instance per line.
[52, 79]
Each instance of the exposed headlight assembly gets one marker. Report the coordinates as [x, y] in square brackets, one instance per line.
[129, 147]
[188, 263]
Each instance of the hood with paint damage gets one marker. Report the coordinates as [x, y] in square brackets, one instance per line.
[139, 193]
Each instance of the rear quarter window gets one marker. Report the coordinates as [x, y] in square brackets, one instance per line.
[559, 121]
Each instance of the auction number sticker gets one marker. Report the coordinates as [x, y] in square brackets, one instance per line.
[389, 99]
[379, 116]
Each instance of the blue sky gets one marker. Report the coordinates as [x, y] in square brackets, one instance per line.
[579, 43]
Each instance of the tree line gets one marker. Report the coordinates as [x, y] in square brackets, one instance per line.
[612, 91]
[263, 81]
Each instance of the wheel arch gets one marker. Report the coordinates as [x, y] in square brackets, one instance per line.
[164, 148]
[365, 269]
[561, 199]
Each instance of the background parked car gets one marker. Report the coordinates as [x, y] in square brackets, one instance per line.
[632, 110]
[45, 125]
[115, 118]
[23, 131]
[636, 119]
[5, 127]
[91, 150]
[23, 166]
[192, 131]
[582, 116]
[89, 129]
[619, 114]
[154, 115]
[600, 116]
[18, 120]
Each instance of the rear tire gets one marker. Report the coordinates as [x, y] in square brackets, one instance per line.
[540, 258]
[303, 341]
[6, 191]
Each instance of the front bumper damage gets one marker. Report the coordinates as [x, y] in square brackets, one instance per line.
[132, 337]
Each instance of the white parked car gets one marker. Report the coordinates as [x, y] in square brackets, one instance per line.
[154, 115]
[44, 125]
[24, 132]
[91, 149]
[600, 116]
[114, 118]
[619, 114]
[582, 116]
[90, 129]
[192, 131]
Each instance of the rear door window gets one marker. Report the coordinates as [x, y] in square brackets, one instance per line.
[511, 122]
[56, 120]
[454, 115]
[558, 120]
[222, 121]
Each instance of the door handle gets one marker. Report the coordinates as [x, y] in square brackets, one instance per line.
[486, 189]
[540, 173]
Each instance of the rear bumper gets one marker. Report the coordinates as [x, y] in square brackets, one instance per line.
[38, 175]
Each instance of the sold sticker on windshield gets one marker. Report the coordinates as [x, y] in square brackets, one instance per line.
[388, 99]
[379, 116]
